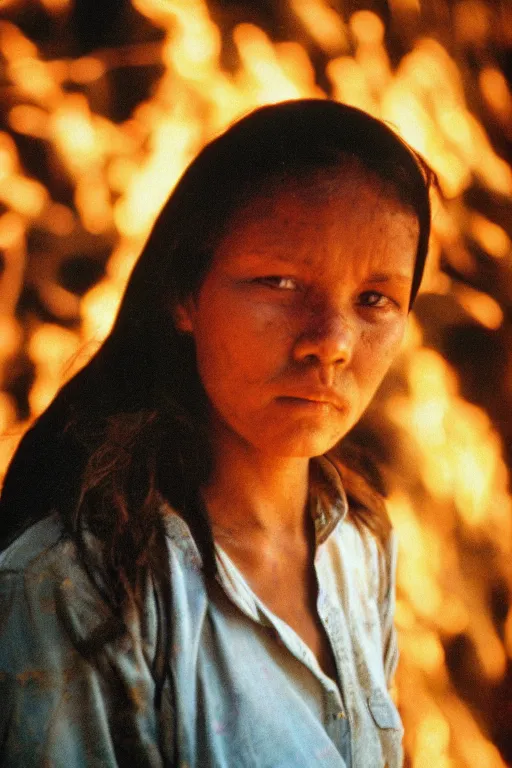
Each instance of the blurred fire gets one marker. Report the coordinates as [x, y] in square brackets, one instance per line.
[453, 511]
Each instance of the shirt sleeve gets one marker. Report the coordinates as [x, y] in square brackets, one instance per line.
[387, 604]
[75, 690]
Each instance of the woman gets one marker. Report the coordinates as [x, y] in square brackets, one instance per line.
[191, 575]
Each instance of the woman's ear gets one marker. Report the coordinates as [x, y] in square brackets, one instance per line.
[183, 317]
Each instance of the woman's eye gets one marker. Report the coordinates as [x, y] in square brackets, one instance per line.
[374, 299]
[278, 282]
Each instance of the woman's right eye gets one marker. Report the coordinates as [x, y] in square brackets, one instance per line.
[278, 282]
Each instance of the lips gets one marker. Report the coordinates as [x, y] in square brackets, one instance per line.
[315, 397]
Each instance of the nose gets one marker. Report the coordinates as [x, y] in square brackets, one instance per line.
[328, 338]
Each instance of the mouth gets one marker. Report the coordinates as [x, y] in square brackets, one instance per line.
[315, 399]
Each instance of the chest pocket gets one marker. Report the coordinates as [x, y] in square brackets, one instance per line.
[389, 725]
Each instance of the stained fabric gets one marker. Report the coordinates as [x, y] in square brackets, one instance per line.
[77, 689]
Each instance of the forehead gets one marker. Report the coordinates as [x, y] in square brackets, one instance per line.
[345, 173]
[300, 216]
[322, 187]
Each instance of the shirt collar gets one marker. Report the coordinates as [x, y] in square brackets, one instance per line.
[327, 500]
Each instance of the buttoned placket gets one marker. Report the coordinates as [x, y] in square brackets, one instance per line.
[337, 722]
[337, 718]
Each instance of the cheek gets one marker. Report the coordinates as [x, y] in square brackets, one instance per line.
[235, 350]
[248, 338]
[378, 350]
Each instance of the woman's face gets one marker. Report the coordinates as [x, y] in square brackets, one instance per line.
[302, 311]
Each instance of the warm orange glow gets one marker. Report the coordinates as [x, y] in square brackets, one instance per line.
[432, 741]
[492, 238]
[474, 749]
[13, 43]
[350, 85]
[406, 5]
[481, 307]
[75, 135]
[472, 21]
[34, 79]
[86, 70]
[56, 6]
[7, 412]
[496, 92]
[420, 560]
[368, 28]
[8, 156]
[10, 340]
[12, 243]
[193, 48]
[164, 11]
[461, 452]
[23, 195]
[263, 78]
[462, 466]
[92, 199]
[59, 219]
[508, 634]
[323, 23]
[449, 498]
[98, 309]
[172, 145]
[12, 230]
[30, 120]
[51, 349]
[11, 431]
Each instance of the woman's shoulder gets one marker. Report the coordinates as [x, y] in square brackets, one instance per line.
[42, 580]
[32, 550]
[63, 651]
[54, 605]
[46, 556]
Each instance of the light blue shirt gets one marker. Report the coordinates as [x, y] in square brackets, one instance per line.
[243, 691]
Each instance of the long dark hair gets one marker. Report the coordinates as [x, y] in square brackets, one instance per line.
[127, 433]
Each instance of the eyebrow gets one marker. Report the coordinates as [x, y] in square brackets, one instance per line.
[385, 277]
[378, 277]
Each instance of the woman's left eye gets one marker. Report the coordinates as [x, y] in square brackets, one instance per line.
[375, 299]
[279, 282]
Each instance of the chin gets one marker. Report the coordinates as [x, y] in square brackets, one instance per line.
[304, 445]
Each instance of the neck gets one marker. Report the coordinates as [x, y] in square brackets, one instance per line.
[255, 492]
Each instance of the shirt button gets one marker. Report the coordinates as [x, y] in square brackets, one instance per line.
[339, 715]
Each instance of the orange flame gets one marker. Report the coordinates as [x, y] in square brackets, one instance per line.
[458, 505]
